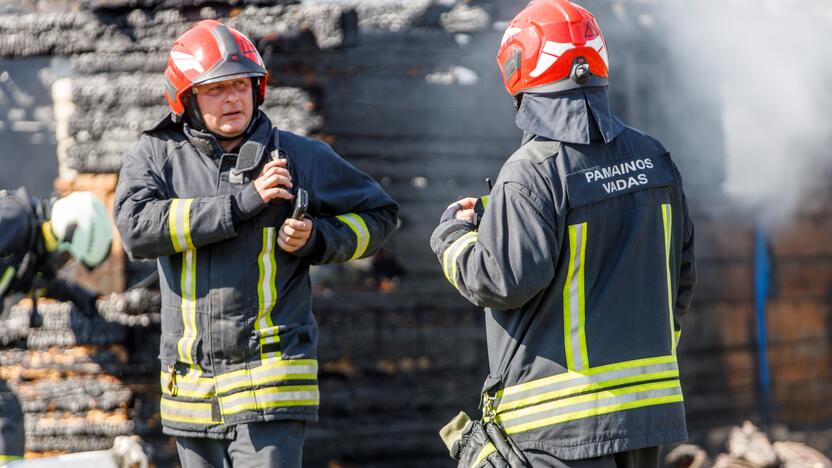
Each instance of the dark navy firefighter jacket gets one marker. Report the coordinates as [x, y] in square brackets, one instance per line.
[239, 338]
[584, 263]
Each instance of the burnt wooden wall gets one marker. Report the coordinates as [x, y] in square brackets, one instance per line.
[410, 93]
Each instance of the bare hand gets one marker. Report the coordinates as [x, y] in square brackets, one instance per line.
[465, 215]
[467, 211]
[294, 234]
[466, 203]
[274, 181]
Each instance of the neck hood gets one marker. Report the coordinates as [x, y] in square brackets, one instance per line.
[576, 116]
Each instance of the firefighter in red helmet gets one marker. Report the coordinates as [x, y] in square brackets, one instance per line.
[210, 192]
[583, 259]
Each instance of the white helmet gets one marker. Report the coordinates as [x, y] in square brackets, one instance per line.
[82, 227]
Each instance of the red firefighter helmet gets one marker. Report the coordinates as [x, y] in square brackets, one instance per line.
[550, 46]
[207, 53]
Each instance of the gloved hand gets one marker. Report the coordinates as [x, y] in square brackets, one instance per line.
[83, 299]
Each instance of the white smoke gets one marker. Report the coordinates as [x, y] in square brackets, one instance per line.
[771, 62]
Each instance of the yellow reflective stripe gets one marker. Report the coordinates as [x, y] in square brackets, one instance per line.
[484, 453]
[524, 387]
[186, 412]
[194, 385]
[190, 385]
[271, 397]
[593, 404]
[174, 235]
[630, 364]
[267, 373]
[667, 222]
[49, 239]
[574, 310]
[5, 458]
[572, 382]
[677, 335]
[267, 291]
[593, 386]
[532, 410]
[250, 400]
[188, 309]
[6, 280]
[598, 411]
[362, 234]
[189, 244]
[179, 224]
[452, 254]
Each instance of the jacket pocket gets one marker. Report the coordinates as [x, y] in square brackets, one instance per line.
[181, 352]
[295, 341]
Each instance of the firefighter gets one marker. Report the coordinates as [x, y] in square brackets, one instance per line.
[33, 236]
[583, 259]
[209, 192]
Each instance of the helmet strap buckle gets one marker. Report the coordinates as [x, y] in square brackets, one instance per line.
[580, 71]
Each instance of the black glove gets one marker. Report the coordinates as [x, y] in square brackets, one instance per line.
[64, 290]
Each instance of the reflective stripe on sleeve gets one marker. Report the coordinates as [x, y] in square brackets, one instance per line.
[574, 330]
[6, 280]
[359, 228]
[667, 222]
[452, 253]
[267, 292]
[179, 223]
[188, 309]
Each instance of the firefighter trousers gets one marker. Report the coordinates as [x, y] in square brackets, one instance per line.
[276, 444]
[11, 427]
[642, 458]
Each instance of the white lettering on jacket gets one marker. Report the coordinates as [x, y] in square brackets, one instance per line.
[632, 169]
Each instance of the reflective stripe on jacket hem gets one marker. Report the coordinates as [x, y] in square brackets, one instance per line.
[572, 382]
[592, 392]
[269, 372]
[202, 413]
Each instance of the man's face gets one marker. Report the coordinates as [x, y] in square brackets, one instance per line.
[226, 106]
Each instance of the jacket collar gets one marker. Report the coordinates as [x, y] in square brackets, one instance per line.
[251, 151]
[576, 116]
